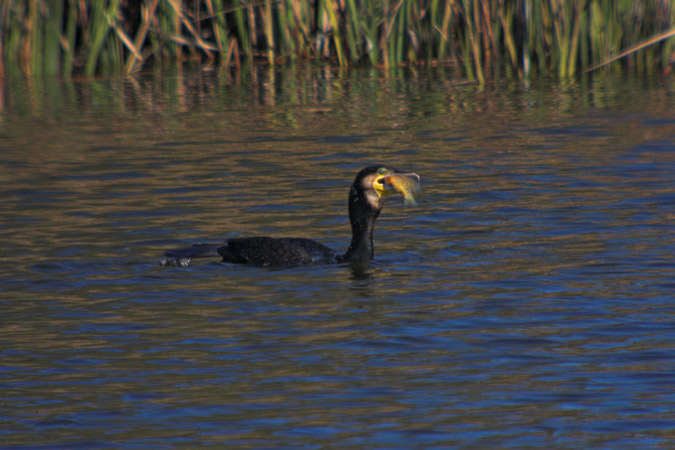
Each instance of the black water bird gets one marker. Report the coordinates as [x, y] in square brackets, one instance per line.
[366, 198]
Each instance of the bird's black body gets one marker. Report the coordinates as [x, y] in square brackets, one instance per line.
[271, 252]
[366, 198]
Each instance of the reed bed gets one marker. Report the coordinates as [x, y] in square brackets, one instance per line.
[484, 38]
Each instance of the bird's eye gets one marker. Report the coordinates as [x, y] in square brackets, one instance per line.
[382, 171]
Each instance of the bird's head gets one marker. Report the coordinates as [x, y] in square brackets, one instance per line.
[374, 184]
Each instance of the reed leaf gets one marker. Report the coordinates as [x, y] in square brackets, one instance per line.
[101, 20]
[330, 8]
[649, 42]
[269, 32]
[242, 30]
[69, 39]
[53, 24]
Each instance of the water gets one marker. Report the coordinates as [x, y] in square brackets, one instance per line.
[526, 302]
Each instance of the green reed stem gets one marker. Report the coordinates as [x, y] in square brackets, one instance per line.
[70, 31]
[52, 34]
[330, 6]
[100, 26]
[243, 32]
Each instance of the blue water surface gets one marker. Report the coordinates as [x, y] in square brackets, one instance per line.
[526, 302]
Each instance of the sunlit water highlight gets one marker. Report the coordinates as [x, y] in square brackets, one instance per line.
[526, 302]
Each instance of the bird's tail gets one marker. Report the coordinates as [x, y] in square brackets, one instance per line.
[183, 256]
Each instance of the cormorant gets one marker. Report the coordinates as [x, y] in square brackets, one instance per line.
[366, 199]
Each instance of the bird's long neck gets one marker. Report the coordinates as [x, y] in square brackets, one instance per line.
[362, 217]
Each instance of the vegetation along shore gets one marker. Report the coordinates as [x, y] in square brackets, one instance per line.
[482, 38]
